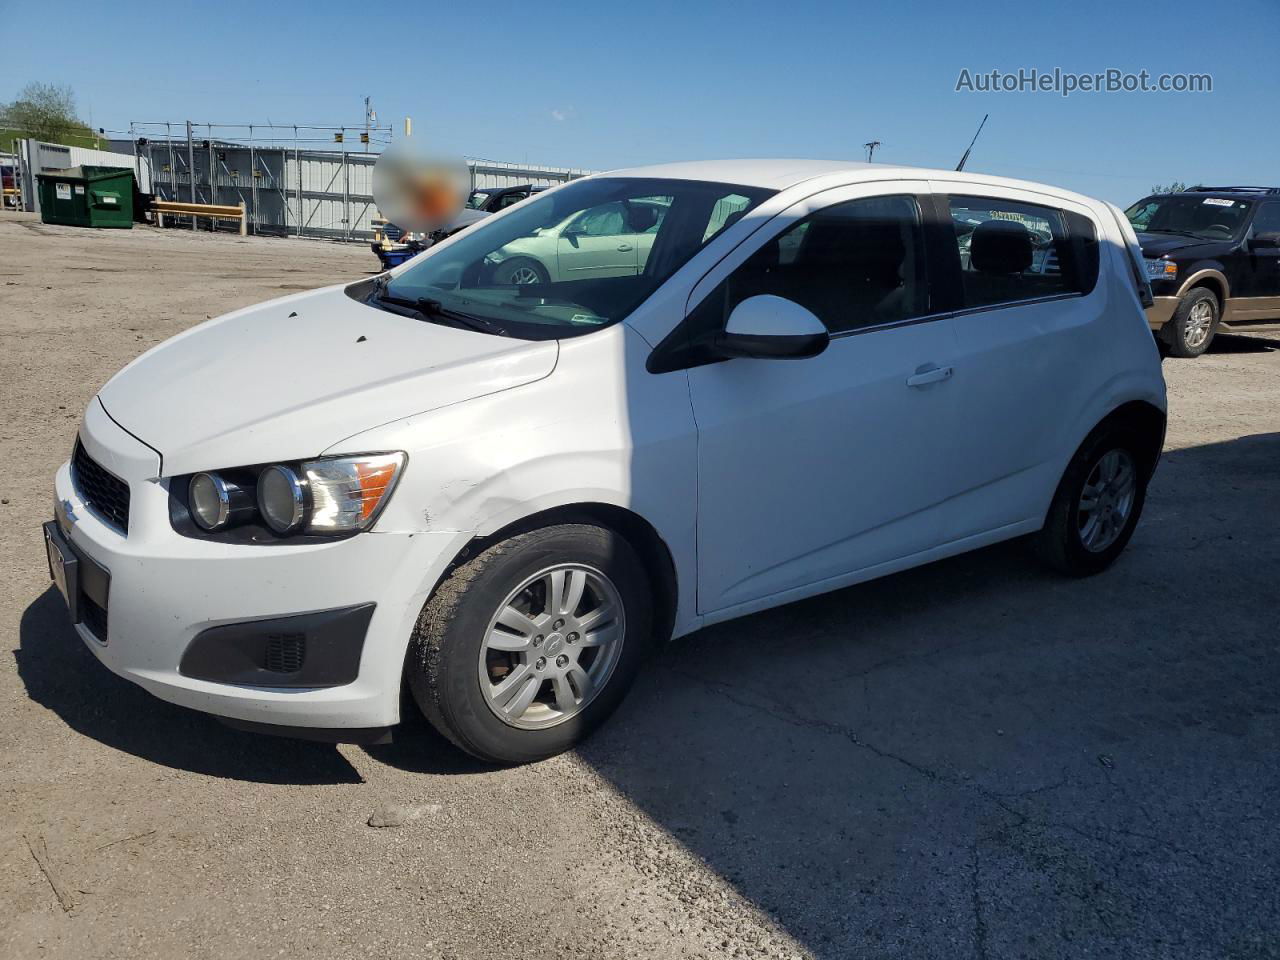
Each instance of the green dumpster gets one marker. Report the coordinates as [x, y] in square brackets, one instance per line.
[88, 196]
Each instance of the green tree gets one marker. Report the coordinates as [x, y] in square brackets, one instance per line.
[1176, 187]
[44, 110]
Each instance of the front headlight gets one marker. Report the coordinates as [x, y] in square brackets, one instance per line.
[333, 496]
[346, 493]
[282, 499]
[216, 503]
[1158, 269]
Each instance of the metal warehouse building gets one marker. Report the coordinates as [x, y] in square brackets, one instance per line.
[296, 192]
[287, 190]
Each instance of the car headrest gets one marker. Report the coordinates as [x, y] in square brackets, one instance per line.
[1000, 246]
[641, 216]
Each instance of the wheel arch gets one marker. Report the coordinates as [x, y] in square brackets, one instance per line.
[1147, 421]
[1211, 279]
[655, 554]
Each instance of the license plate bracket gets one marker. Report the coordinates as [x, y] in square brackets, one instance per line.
[64, 569]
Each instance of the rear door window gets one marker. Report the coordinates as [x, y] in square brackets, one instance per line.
[1010, 251]
[1267, 221]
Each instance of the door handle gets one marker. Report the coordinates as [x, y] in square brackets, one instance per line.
[925, 376]
[624, 247]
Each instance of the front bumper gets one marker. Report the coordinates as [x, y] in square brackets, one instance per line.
[1161, 311]
[166, 589]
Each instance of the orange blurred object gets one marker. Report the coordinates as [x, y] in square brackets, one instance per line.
[419, 189]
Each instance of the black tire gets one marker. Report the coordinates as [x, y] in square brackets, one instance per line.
[444, 655]
[506, 271]
[1175, 332]
[1060, 543]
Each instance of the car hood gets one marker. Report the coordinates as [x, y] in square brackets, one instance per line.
[1160, 244]
[291, 378]
[465, 218]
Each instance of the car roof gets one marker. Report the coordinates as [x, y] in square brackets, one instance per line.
[782, 174]
[1234, 193]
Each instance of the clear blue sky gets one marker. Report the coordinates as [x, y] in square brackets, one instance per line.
[600, 85]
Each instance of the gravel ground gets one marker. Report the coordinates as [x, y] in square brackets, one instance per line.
[974, 759]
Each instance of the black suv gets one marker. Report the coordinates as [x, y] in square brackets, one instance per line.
[493, 199]
[1213, 259]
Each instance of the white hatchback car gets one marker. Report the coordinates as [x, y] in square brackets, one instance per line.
[501, 493]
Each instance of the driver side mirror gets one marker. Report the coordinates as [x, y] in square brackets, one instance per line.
[1260, 242]
[766, 327]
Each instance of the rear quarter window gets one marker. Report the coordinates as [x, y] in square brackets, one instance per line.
[1010, 251]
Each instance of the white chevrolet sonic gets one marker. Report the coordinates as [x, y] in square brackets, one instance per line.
[500, 488]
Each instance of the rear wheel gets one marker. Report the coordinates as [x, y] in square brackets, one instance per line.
[527, 648]
[1193, 325]
[1097, 504]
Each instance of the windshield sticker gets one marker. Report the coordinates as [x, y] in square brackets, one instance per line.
[1217, 202]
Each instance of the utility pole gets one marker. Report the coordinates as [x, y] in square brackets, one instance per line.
[368, 113]
[871, 148]
[191, 171]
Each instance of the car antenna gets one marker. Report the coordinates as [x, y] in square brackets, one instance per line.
[965, 158]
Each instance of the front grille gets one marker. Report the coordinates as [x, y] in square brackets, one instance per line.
[106, 493]
[94, 617]
[286, 652]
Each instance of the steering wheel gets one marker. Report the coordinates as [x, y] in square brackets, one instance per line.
[1222, 227]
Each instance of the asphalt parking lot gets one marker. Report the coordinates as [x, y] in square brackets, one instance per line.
[972, 759]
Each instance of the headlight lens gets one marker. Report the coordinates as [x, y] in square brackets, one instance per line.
[217, 503]
[1158, 269]
[346, 493]
[281, 499]
[209, 501]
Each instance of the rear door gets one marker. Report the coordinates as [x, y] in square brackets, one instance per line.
[1259, 285]
[1028, 345]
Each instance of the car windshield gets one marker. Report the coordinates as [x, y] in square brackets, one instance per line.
[1189, 215]
[477, 199]
[569, 261]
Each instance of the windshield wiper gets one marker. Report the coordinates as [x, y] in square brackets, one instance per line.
[429, 308]
[1179, 233]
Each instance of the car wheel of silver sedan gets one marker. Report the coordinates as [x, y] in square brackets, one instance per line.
[520, 271]
[526, 648]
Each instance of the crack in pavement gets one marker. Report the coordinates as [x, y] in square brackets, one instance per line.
[783, 711]
[979, 917]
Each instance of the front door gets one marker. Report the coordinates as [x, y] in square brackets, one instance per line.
[597, 243]
[809, 470]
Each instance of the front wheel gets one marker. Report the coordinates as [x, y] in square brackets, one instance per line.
[528, 647]
[1193, 325]
[519, 271]
[1096, 506]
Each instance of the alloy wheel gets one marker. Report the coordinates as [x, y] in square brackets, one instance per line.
[551, 646]
[523, 275]
[1198, 324]
[1107, 500]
